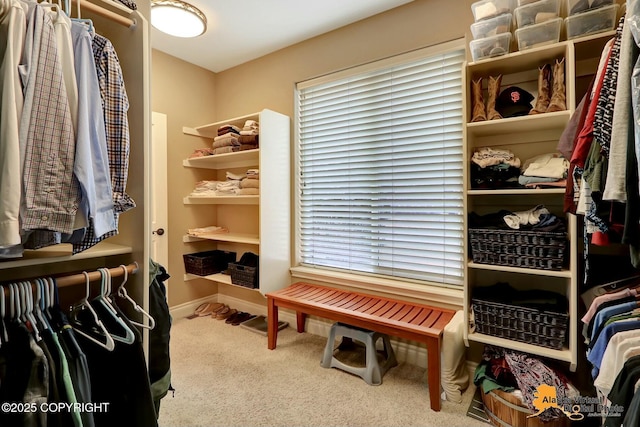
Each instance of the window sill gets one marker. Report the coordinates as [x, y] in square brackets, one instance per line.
[426, 294]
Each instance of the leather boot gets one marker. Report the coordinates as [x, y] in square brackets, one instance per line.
[544, 90]
[494, 91]
[558, 97]
[478, 113]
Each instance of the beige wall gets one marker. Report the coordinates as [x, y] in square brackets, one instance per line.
[191, 96]
[268, 82]
[185, 93]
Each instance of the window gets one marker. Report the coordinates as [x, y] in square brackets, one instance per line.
[380, 164]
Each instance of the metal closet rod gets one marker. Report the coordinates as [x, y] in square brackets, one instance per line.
[98, 10]
[79, 279]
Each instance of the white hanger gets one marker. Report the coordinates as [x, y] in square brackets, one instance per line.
[27, 314]
[83, 304]
[122, 293]
[39, 304]
[103, 299]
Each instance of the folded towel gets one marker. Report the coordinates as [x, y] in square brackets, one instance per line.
[226, 141]
[250, 132]
[235, 176]
[227, 149]
[248, 191]
[244, 147]
[250, 183]
[248, 139]
[228, 128]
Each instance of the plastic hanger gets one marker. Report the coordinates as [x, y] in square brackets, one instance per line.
[27, 312]
[77, 325]
[89, 22]
[122, 293]
[39, 304]
[103, 299]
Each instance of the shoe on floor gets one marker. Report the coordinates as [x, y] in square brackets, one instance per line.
[209, 308]
[242, 317]
[225, 313]
[223, 307]
[233, 317]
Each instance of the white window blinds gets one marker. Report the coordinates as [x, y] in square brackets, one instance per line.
[380, 167]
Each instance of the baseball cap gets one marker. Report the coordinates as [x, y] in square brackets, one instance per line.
[514, 101]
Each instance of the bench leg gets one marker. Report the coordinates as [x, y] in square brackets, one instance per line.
[300, 318]
[433, 372]
[272, 323]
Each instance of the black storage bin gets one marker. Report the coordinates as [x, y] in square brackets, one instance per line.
[245, 271]
[209, 262]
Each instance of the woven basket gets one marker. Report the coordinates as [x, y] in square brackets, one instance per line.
[209, 262]
[243, 275]
[505, 409]
[517, 248]
[528, 325]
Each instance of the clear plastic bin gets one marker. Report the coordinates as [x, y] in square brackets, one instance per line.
[539, 34]
[487, 9]
[537, 13]
[525, 2]
[490, 46]
[596, 21]
[491, 27]
[580, 6]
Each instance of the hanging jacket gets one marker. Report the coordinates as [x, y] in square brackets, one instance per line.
[159, 360]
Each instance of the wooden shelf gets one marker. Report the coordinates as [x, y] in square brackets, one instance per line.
[516, 192]
[224, 237]
[564, 354]
[238, 159]
[222, 200]
[63, 252]
[529, 271]
[211, 130]
[519, 125]
[225, 279]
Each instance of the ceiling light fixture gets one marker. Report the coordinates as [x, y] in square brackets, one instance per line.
[177, 18]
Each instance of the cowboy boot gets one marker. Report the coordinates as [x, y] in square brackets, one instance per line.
[558, 96]
[494, 90]
[478, 114]
[544, 90]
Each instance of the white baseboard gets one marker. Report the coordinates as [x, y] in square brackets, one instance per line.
[188, 308]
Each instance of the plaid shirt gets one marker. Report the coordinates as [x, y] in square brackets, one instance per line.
[47, 144]
[115, 106]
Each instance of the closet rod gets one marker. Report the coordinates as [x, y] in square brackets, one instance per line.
[98, 10]
[78, 279]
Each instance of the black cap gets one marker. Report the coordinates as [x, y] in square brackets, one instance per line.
[514, 101]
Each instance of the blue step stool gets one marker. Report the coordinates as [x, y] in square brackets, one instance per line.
[373, 372]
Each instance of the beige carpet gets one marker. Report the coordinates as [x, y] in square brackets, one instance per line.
[225, 376]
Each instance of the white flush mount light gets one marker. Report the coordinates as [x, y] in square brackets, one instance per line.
[177, 18]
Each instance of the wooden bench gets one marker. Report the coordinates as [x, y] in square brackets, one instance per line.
[402, 319]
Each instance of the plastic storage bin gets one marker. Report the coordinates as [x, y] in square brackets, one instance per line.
[491, 27]
[580, 6]
[595, 21]
[490, 46]
[487, 9]
[539, 34]
[537, 13]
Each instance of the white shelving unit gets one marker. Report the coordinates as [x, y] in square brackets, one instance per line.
[272, 242]
[527, 137]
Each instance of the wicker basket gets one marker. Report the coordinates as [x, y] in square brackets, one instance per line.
[524, 324]
[209, 262]
[244, 275]
[505, 409]
[517, 248]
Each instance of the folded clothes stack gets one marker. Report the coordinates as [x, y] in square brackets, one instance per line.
[205, 189]
[249, 135]
[546, 170]
[251, 184]
[494, 168]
